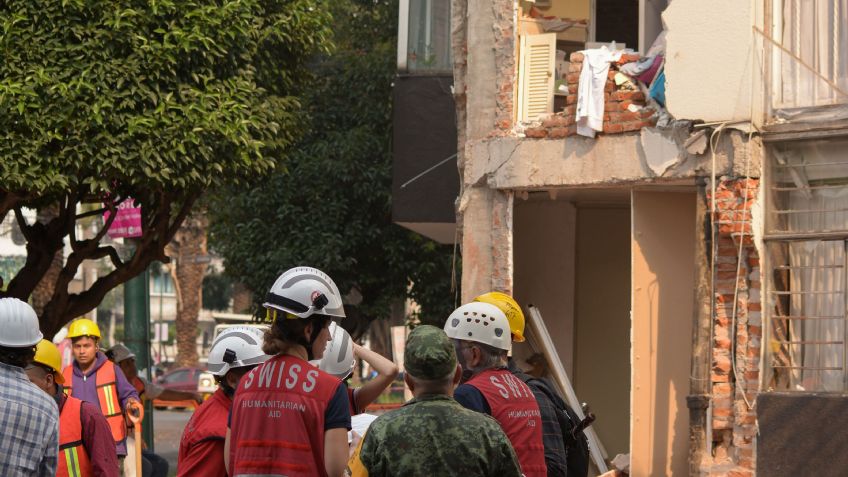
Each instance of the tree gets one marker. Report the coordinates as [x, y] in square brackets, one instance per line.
[103, 102]
[189, 249]
[331, 208]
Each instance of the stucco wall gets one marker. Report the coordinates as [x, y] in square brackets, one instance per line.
[710, 59]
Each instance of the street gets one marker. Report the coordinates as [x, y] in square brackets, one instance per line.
[168, 427]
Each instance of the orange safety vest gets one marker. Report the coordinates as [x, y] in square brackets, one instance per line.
[107, 396]
[73, 458]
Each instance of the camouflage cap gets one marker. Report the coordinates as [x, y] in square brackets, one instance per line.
[429, 353]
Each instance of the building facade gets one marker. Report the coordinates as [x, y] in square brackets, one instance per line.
[685, 241]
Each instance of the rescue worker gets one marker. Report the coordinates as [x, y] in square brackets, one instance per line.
[340, 359]
[289, 417]
[86, 447]
[29, 440]
[481, 334]
[93, 378]
[236, 351]
[552, 439]
[153, 465]
[432, 434]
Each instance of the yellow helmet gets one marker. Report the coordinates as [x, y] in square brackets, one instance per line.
[83, 327]
[47, 353]
[510, 308]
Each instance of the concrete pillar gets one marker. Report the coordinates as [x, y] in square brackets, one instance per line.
[486, 242]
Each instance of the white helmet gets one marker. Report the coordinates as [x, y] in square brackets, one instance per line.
[338, 356]
[481, 322]
[18, 324]
[235, 347]
[305, 291]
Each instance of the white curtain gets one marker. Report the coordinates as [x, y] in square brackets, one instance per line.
[817, 32]
[817, 276]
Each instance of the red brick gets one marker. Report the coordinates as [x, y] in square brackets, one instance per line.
[572, 77]
[554, 121]
[575, 67]
[571, 99]
[720, 378]
[558, 133]
[577, 57]
[536, 133]
[632, 126]
[609, 87]
[624, 117]
[570, 110]
[628, 58]
[628, 95]
[723, 343]
[611, 106]
[572, 89]
[722, 412]
[755, 307]
[647, 113]
[504, 124]
[611, 74]
[572, 130]
[612, 128]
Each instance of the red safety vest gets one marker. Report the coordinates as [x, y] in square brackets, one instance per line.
[277, 423]
[202, 444]
[107, 396]
[73, 458]
[514, 407]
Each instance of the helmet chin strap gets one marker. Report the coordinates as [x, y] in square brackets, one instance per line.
[318, 325]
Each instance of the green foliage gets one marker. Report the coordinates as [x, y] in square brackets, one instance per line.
[332, 207]
[154, 100]
[217, 291]
[104, 95]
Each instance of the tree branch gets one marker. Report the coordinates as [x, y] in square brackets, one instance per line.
[26, 229]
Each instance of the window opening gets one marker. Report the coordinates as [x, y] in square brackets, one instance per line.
[807, 245]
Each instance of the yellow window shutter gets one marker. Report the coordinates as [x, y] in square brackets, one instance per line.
[536, 76]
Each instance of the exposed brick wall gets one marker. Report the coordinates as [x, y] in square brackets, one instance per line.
[733, 422]
[505, 50]
[617, 117]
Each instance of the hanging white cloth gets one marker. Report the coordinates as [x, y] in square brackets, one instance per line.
[590, 89]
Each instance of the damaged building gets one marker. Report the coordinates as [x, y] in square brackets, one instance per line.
[666, 181]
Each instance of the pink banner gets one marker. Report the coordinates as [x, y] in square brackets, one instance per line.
[127, 223]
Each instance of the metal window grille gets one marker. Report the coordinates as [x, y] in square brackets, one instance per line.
[806, 301]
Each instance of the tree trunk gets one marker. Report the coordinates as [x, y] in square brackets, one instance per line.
[43, 292]
[189, 247]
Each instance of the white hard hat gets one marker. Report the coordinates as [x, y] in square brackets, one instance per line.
[481, 322]
[18, 324]
[235, 347]
[305, 291]
[338, 356]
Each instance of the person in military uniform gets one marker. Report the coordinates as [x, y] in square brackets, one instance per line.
[432, 434]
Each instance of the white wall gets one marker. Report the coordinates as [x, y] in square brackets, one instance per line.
[711, 58]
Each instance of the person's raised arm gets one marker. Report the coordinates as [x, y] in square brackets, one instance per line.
[227, 452]
[387, 371]
[335, 451]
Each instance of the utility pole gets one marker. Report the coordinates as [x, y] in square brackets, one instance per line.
[137, 336]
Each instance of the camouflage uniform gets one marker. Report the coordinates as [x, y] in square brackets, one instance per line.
[433, 435]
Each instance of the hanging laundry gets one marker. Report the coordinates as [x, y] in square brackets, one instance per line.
[590, 90]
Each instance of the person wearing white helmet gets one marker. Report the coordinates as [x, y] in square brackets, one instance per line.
[235, 351]
[29, 417]
[340, 359]
[481, 334]
[289, 417]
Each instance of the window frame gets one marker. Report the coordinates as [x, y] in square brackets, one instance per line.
[771, 138]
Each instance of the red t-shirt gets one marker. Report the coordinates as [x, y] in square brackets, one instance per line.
[202, 443]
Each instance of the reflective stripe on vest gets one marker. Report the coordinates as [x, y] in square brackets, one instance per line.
[277, 425]
[107, 397]
[73, 458]
[515, 408]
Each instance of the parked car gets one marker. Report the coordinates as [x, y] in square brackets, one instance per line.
[180, 379]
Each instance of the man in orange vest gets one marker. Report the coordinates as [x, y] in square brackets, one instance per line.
[154, 465]
[86, 448]
[481, 334]
[95, 379]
